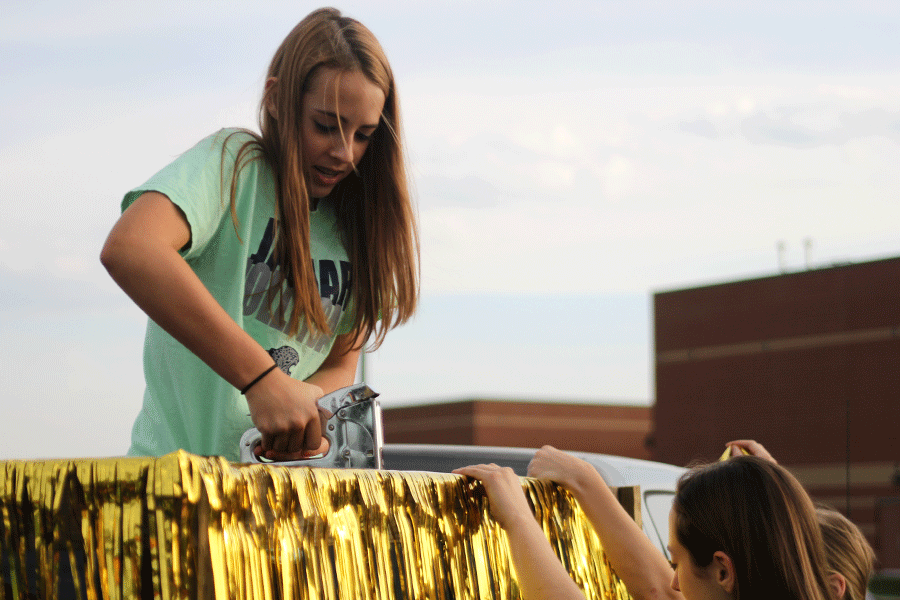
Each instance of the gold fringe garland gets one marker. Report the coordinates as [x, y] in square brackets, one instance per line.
[183, 526]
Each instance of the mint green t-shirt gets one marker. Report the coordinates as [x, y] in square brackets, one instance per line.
[186, 404]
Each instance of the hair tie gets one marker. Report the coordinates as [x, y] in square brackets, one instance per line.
[255, 381]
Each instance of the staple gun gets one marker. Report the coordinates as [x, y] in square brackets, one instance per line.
[351, 421]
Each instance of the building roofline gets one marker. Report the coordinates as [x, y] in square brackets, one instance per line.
[799, 273]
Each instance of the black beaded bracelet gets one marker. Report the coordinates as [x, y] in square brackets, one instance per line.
[255, 381]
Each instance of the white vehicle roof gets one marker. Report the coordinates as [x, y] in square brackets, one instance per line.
[657, 481]
[616, 470]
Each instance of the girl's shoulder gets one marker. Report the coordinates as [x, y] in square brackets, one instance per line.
[232, 139]
[232, 147]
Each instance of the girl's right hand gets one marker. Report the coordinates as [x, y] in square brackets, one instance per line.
[285, 412]
[561, 467]
[142, 256]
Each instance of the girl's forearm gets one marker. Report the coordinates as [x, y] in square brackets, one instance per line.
[640, 565]
[162, 284]
[538, 571]
[141, 255]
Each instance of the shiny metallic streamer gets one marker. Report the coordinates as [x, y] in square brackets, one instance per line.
[184, 526]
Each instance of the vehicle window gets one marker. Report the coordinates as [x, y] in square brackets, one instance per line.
[658, 506]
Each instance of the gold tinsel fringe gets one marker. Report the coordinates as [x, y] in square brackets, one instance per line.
[184, 526]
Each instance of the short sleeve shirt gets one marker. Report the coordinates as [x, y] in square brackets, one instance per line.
[186, 404]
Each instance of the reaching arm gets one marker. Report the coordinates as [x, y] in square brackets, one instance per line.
[339, 368]
[639, 564]
[538, 571]
[142, 256]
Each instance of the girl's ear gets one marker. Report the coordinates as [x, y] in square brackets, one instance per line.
[838, 584]
[270, 91]
[725, 573]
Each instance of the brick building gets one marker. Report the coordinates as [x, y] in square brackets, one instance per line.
[604, 429]
[807, 363]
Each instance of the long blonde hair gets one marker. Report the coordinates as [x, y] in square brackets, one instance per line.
[849, 553]
[373, 204]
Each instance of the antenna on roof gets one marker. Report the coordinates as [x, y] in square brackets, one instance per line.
[807, 252]
[781, 246]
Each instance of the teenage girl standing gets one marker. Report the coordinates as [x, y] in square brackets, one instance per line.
[265, 261]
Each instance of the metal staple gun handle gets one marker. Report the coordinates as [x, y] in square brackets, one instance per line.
[351, 421]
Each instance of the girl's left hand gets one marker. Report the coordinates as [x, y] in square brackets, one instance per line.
[537, 568]
[752, 447]
[504, 490]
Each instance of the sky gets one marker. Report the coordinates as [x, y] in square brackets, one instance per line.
[569, 160]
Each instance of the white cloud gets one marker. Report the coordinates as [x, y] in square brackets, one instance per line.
[64, 23]
[618, 177]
